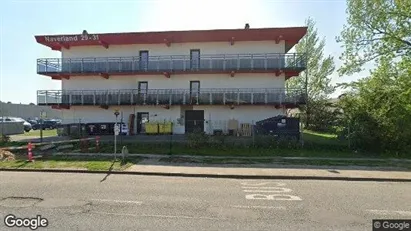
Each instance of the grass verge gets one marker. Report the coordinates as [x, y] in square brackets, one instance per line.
[234, 161]
[46, 133]
[80, 163]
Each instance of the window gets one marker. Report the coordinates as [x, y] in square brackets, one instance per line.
[143, 60]
[195, 59]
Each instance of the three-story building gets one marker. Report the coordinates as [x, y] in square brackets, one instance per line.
[184, 76]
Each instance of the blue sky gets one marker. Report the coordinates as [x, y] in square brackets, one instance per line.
[22, 19]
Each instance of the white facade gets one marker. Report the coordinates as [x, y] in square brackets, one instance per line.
[240, 80]
[215, 115]
[209, 48]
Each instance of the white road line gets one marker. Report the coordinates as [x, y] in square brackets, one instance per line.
[118, 201]
[389, 212]
[266, 191]
[259, 207]
[270, 187]
[158, 215]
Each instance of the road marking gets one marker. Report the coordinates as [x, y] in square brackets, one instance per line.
[389, 212]
[258, 207]
[262, 183]
[260, 190]
[266, 191]
[118, 201]
[277, 197]
[158, 215]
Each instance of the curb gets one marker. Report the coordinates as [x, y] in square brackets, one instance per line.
[271, 177]
[148, 155]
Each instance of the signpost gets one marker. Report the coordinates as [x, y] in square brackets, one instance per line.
[116, 132]
[43, 115]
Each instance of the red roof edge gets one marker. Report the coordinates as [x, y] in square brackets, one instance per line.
[291, 35]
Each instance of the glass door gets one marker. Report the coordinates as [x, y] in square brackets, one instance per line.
[143, 60]
[195, 59]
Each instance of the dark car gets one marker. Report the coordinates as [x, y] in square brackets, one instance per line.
[47, 124]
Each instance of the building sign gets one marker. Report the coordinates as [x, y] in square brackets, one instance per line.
[72, 38]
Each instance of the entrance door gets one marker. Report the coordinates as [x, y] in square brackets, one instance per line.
[194, 121]
[142, 119]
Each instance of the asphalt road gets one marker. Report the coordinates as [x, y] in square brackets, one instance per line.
[125, 202]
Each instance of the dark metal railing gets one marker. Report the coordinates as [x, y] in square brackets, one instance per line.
[216, 96]
[173, 63]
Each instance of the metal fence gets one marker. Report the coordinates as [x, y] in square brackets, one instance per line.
[172, 63]
[205, 96]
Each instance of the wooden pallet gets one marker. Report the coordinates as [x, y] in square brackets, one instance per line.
[245, 129]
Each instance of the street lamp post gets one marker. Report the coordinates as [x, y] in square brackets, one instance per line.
[116, 131]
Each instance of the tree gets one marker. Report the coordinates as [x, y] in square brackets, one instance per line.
[316, 78]
[374, 29]
[378, 108]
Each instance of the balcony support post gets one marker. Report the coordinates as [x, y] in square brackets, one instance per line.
[265, 62]
[107, 94]
[211, 98]
[118, 97]
[70, 98]
[157, 98]
[224, 98]
[197, 96]
[238, 97]
[252, 62]
[131, 98]
[252, 97]
[184, 97]
[238, 62]
[265, 97]
[94, 98]
[145, 98]
[224, 67]
[170, 98]
[281, 97]
[82, 98]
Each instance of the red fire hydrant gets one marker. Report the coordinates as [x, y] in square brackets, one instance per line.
[30, 154]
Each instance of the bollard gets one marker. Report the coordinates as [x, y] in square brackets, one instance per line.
[30, 154]
[97, 143]
[124, 152]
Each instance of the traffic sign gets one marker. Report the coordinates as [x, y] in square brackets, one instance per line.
[116, 129]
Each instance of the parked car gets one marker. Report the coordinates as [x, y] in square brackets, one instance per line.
[47, 124]
[27, 125]
[32, 122]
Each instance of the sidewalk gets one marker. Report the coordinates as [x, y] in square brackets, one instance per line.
[272, 173]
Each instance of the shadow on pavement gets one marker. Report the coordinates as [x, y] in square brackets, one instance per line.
[109, 171]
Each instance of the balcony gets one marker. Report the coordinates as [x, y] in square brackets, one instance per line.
[215, 96]
[290, 64]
